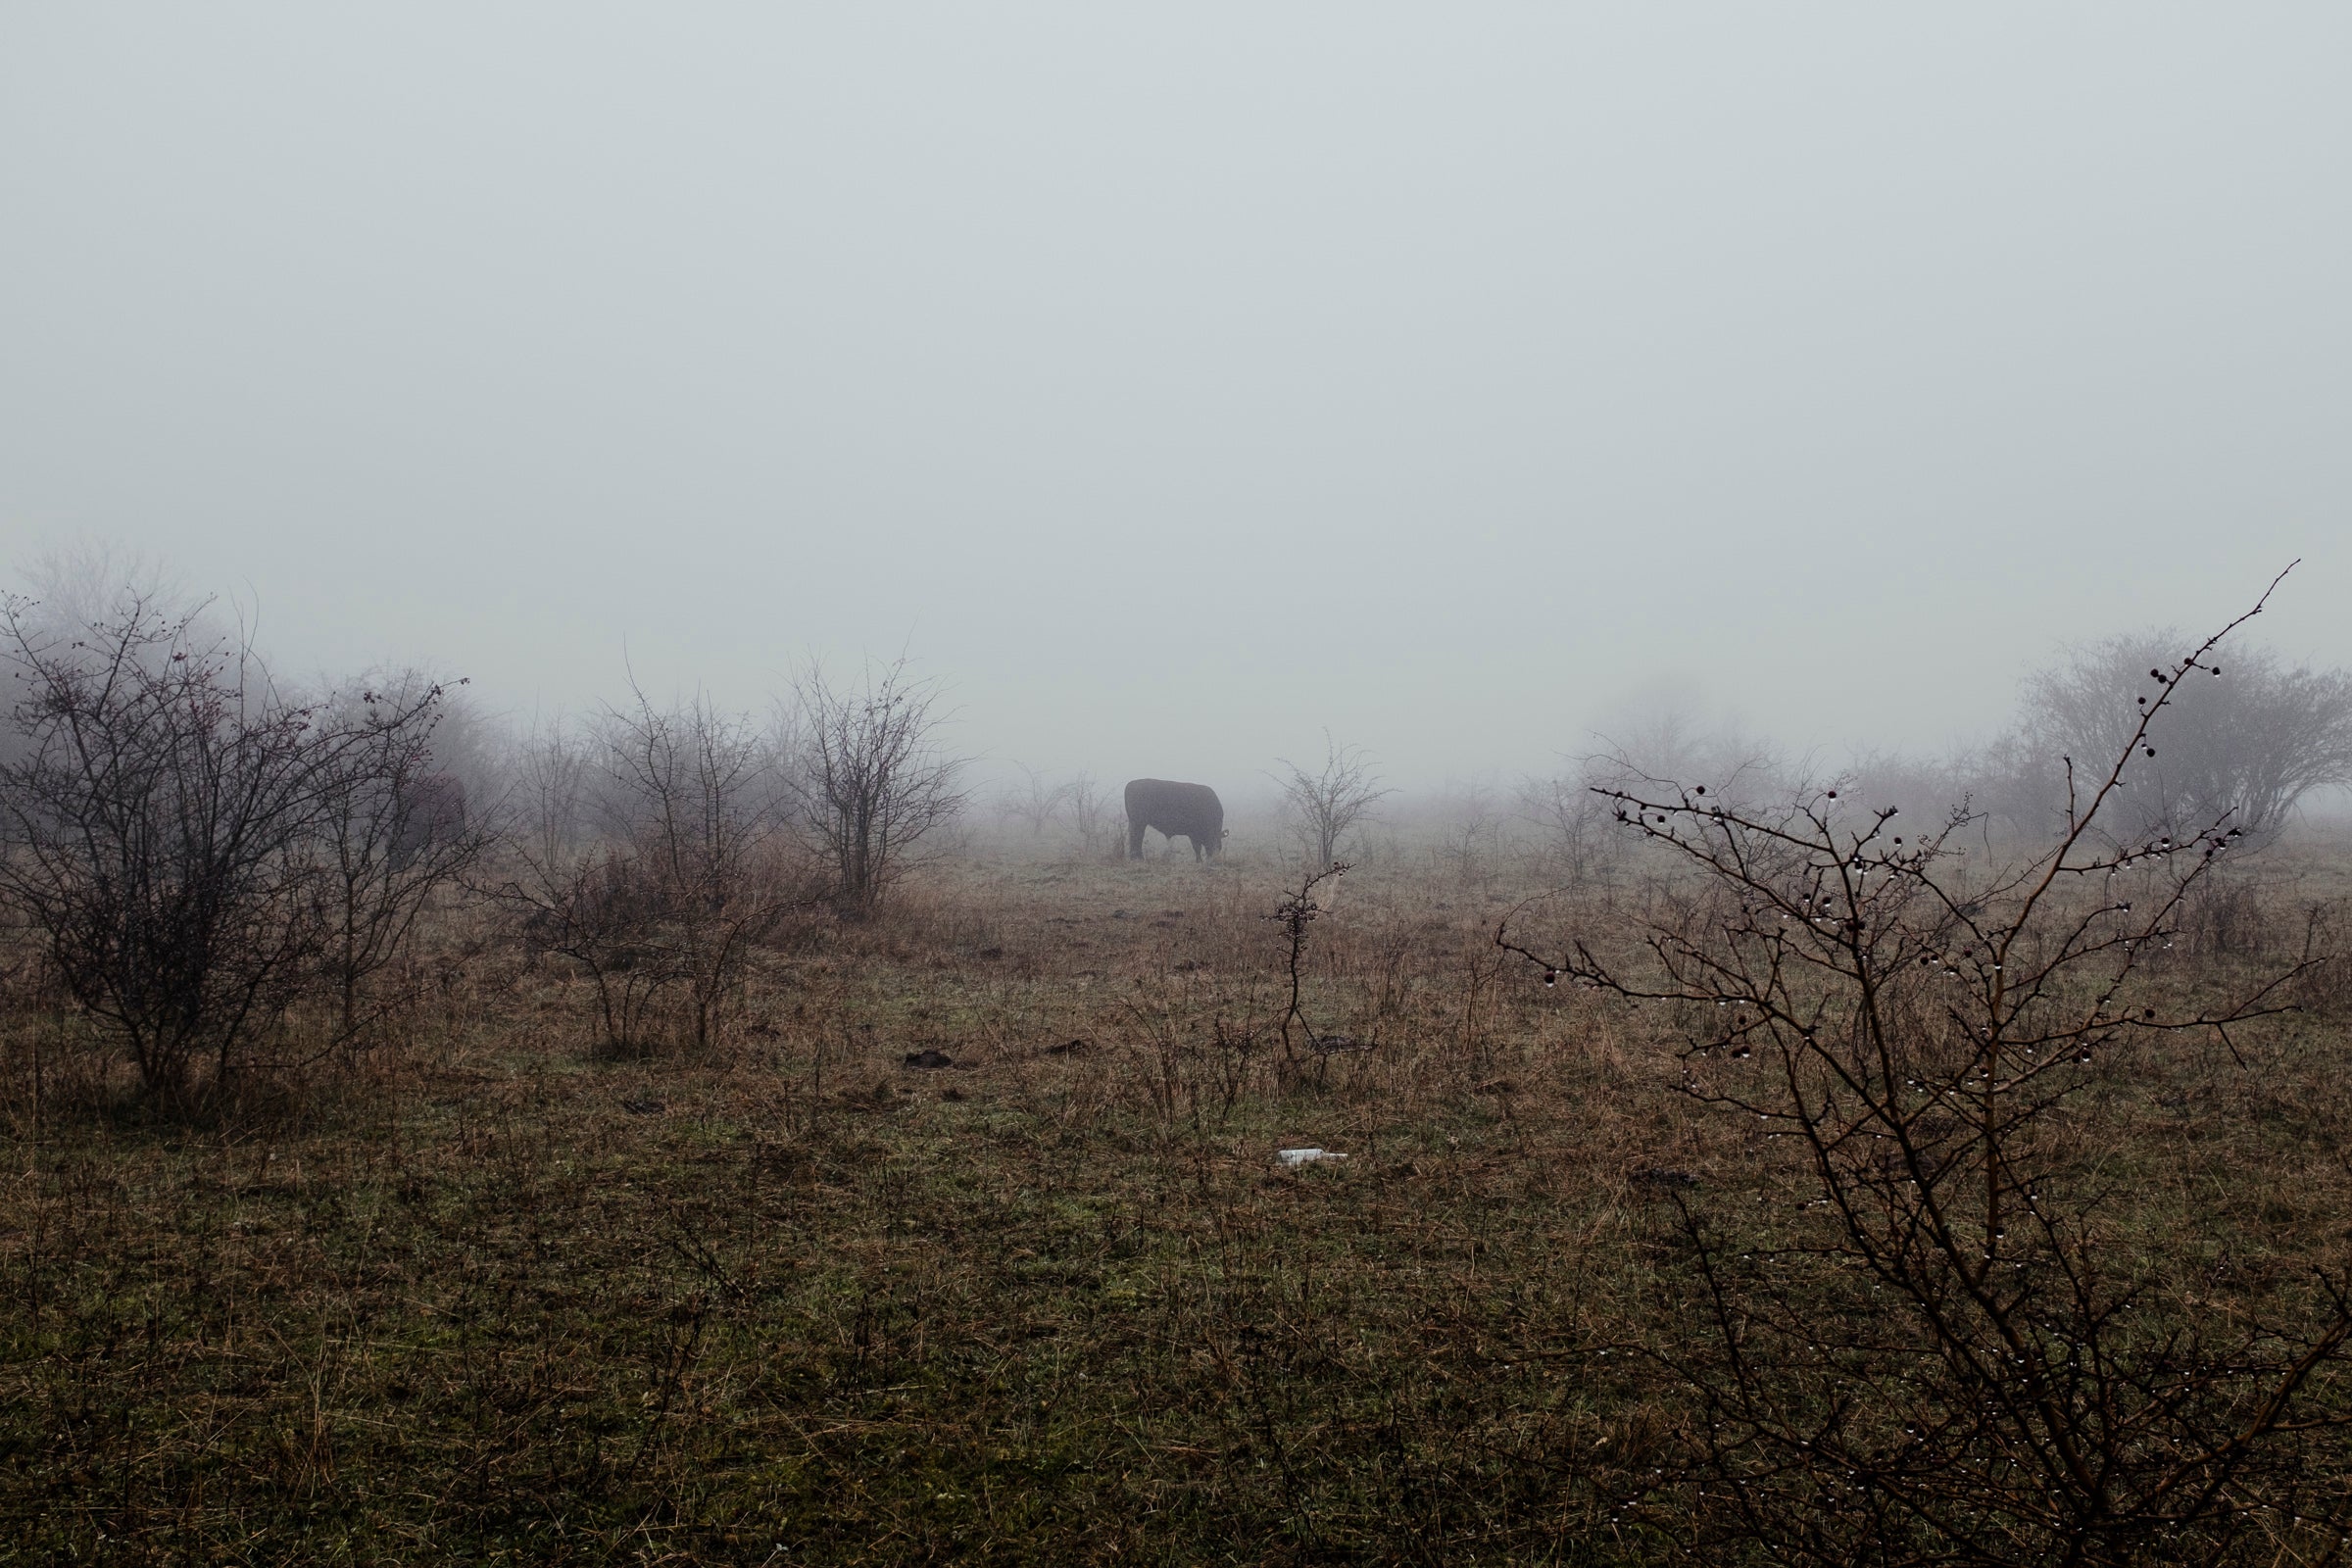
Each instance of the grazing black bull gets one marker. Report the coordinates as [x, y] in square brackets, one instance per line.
[1191, 811]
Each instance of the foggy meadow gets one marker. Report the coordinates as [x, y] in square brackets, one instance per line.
[665, 1124]
[1031, 786]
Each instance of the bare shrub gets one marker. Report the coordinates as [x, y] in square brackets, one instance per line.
[1662, 734]
[871, 781]
[1575, 840]
[653, 853]
[392, 827]
[576, 897]
[1666, 734]
[2325, 984]
[1034, 801]
[1325, 805]
[1296, 916]
[1097, 827]
[1470, 831]
[695, 812]
[198, 851]
[1942, 1355]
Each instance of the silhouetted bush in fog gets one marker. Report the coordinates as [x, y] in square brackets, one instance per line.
[1035, 802]
[393, 827]
[871, 780]
[1664, 736]
[1326, 804]
[650, 849]
[197, 852]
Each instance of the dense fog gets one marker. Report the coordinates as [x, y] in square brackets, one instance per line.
[1041, 784]
[1486, 390]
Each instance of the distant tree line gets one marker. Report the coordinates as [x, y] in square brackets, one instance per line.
[2240, 745]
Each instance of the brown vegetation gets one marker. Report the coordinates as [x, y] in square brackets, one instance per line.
[489, 1292]
[646, 1186]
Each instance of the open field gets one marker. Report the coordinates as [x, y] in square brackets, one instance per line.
[1268, 786]
[486, 1293]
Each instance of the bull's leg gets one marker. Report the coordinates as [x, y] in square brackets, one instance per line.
[1135, 839]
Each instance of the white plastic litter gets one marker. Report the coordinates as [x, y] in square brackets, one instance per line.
[1302, 1156]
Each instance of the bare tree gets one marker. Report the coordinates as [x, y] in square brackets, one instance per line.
[873, 782]
[1469, 827]
[1091, 815]
[174, 826]
[2248, 745]
[1572, 824]
[578, 897]
[696, 811]
[81, 584]
[1325, 805]
[1940, 1359]
[653, 855]
[1034, 801]
[1666, 734]
[1662, 733]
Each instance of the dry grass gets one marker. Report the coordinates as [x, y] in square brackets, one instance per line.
[483, 1294]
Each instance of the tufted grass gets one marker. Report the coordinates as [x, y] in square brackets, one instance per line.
[482, 1295]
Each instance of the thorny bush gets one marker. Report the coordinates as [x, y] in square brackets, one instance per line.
[1945, 1354]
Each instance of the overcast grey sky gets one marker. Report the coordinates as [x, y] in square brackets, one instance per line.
[1179, 380]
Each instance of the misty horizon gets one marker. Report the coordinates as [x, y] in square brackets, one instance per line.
[1177, 390]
